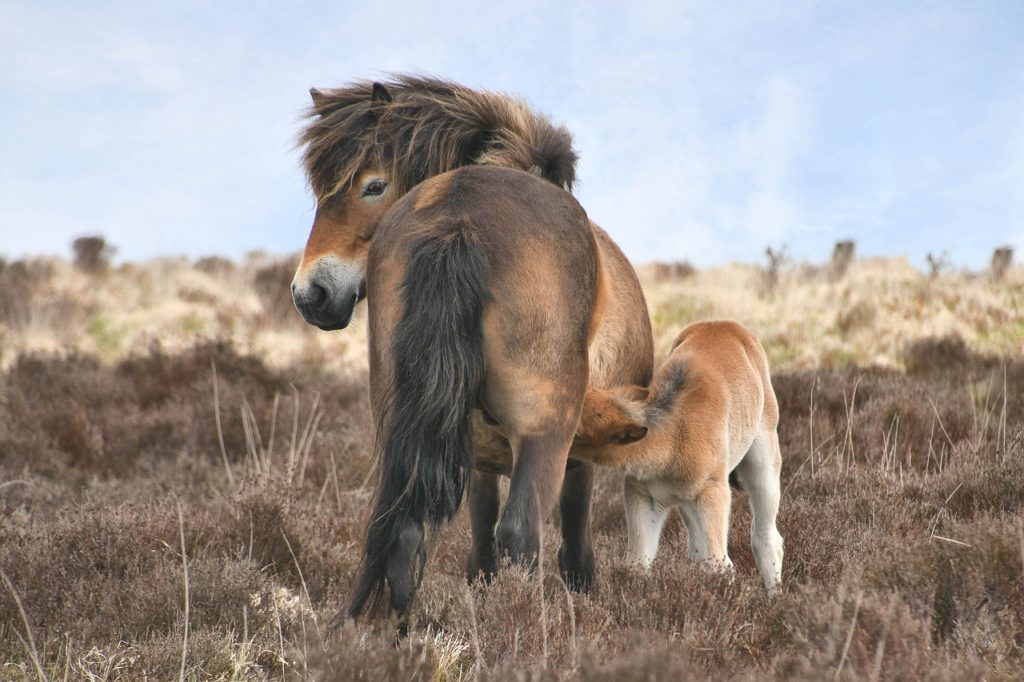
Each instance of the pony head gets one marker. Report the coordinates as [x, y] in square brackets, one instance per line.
[368, 144]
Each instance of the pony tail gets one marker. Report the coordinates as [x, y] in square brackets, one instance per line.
[438, 361]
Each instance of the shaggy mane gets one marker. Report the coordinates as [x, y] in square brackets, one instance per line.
[429, 127]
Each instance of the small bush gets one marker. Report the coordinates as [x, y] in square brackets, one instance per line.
[273, 285]
[842, 258]
[674, 271]
[215, 266]
[936, 354]
[858, 316]
[937, 264]
[92, 254]
[777, 258]
[1002, 259]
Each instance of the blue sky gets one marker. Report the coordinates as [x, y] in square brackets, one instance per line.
[706, 130]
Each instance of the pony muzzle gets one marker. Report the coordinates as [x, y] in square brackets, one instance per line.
[326, 294]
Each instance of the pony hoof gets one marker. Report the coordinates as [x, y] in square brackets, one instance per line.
[339, 620]
[577, 573]
[480, 571]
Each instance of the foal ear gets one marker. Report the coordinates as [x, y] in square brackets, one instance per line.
[380, 93]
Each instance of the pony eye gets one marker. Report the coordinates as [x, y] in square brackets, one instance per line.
[375, 188]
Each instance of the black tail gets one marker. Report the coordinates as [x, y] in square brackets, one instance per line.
[425, 444]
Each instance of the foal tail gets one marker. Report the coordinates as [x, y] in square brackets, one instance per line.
[425, 444]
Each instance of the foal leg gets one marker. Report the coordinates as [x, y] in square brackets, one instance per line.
[758, 474]
[576, 555]
[645, 517]
[707, 525]
[484, 503]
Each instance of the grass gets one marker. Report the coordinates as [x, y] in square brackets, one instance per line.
[809, 319]
[130, 555]
[194, 509]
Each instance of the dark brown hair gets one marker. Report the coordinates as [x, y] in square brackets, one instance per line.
[419, 126]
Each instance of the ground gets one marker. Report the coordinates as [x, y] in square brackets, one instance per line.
[185, 473]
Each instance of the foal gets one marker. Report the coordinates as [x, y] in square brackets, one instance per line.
[710, 413]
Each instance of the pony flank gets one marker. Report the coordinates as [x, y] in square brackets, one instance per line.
[481, 290]
[711, 415]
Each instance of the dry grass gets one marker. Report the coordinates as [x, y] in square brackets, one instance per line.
[810, 318]
[866, 318]
[49, 305]
[902, 507]
[901, 516]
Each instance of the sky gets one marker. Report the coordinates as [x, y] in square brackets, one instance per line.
[707, 131]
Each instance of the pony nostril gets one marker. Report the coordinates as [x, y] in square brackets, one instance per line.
[317, 294]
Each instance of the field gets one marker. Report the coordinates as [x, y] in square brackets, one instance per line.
[185, 471]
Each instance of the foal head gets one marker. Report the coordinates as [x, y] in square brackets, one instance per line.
[612, 416]
[369, 143]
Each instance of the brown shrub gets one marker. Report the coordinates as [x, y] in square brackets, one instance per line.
[71, 411]
[676, 270]
[842, 258]
[20, 285]
[776, 258]
[273, 285]
[214, 266]
[937, 264]
[92, 254]
[936, 354]
[1002, 258]
[858, 316]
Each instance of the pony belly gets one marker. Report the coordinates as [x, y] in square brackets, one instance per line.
[492, 453]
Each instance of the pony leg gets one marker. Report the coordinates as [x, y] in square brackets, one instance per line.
[484, 502]
[576, 555]
[404, 569]
[645, 517]
[758, 475]
[536, 480]
[707, 525]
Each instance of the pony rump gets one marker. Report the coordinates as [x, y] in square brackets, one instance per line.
[438, 360]
[428, 126]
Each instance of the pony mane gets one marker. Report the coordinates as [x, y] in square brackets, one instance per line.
[429, 126]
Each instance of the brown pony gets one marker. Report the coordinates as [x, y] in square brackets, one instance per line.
[480, 264]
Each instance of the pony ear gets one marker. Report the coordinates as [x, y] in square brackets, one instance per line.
[319, 99]
[380, 93]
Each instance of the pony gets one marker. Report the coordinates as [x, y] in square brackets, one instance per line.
[370, 149]
[710, 418]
